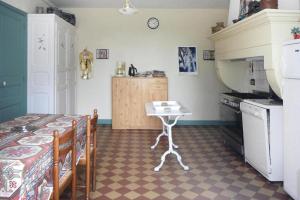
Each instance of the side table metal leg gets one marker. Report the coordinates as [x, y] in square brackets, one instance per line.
[164, 133]
[163, 158]
[180, 161]
[158, 139]
[171, 145]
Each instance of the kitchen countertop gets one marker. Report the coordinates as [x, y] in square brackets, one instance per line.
[264, 103]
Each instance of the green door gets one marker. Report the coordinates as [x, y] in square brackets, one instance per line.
[13, 62]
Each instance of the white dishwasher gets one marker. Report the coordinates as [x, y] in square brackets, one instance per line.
[262, 129]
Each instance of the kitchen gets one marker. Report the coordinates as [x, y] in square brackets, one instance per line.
[130, 40]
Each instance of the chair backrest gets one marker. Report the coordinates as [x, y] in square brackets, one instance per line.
[94, 126]
[63, 145]
[91, 131]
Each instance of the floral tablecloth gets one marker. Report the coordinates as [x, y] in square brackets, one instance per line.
[26, 159]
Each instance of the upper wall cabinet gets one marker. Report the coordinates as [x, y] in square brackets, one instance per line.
[51, 65]
[261, 35]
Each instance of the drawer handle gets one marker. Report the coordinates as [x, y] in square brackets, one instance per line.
[297, 50]
[4, 83]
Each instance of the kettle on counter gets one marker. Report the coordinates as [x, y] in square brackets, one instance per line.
[132, 71]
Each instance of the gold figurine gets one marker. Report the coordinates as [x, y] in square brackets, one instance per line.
[86, 60]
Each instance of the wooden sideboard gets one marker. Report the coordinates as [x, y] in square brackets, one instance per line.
[129, 95]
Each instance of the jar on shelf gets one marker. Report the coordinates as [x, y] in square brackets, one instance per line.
[272, 4]
[220, 26]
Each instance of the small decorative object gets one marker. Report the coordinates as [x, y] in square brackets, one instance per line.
[244, 8]
[69, 18]
[86, 60]
[296, 32]
[41, 40]
[248, 8]
[121, 69]
[273, 4]
[132, 71]
[208, 55]
[253, 7]
[218, 27]
[102, 53]
[50, 10]
[39, 10]
[187, 60]
[24, 128]
[153, 23]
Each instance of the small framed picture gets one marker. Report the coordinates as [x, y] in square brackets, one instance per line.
[244, 8]
[187, 60]
[208, 55]
[102, 54]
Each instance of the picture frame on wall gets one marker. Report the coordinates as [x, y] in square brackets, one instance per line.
[102, 53]
[208, 55]
[187, 60]
[244, 6]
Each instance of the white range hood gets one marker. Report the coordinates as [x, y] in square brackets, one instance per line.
[261, 35]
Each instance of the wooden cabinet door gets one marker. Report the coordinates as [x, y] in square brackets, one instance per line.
[71, 72]
[137, 87]
[129, 98]
[61, 69]
[121, 103]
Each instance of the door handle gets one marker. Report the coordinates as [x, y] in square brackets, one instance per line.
[4, 83]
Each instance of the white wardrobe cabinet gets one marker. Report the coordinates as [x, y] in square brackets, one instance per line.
[51, 65]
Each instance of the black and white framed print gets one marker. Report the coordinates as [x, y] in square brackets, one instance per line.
[102, 54]
[244, 8]
[187, 60]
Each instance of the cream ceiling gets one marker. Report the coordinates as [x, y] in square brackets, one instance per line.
[142, 3]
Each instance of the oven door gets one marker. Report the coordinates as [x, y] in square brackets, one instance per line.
[232, 130]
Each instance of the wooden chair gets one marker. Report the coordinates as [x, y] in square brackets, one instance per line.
[90, 152]
[62, 146]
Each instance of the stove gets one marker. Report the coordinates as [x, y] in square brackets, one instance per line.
[231, 115]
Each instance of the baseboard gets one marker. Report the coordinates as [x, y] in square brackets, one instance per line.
[104, 122]
[201, 123]
[181, 122]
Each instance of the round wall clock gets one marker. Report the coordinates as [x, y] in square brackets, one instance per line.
[153, 23]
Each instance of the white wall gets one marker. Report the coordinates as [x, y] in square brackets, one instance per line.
[27, 6]
[128, 39]
[289, 4]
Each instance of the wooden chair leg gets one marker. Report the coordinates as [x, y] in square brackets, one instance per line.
[73, 195]
[94, 172]
[87, 182]
[74, 176]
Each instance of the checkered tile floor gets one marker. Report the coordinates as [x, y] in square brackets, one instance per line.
[125, 168]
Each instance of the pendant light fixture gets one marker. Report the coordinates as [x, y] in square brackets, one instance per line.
[128, 8]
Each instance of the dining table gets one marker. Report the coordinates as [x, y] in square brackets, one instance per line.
[26, 157]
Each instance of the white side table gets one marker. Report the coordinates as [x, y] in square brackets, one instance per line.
[165, 116]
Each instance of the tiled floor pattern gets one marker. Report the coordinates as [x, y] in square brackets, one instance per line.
[125, 168]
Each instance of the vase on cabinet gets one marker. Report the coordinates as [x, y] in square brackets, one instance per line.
[271, 4]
